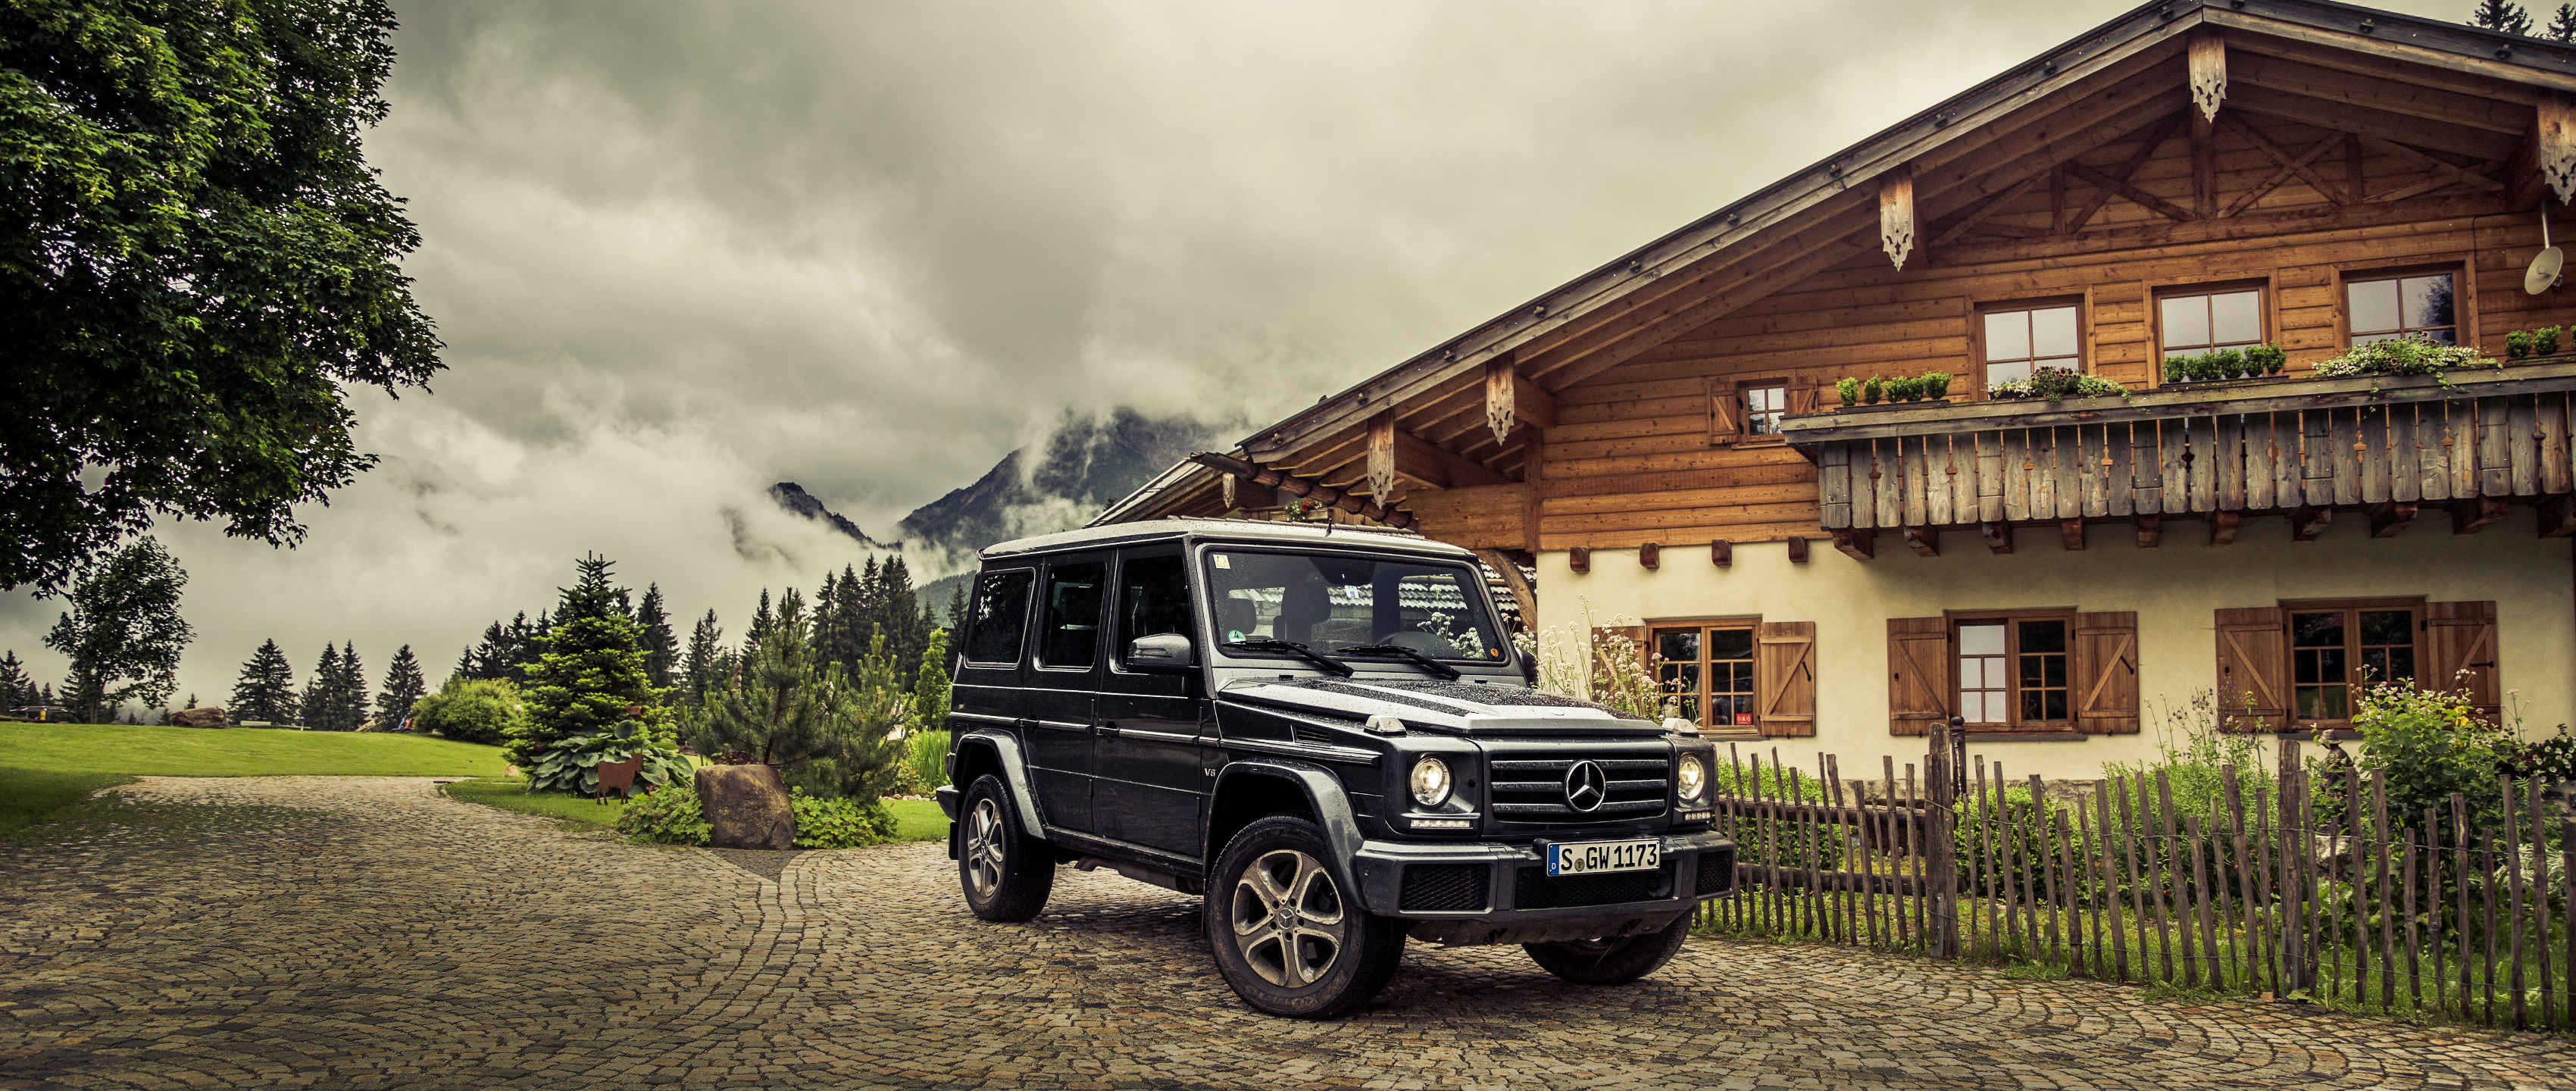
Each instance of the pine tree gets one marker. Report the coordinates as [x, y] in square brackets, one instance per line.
[319, 690]
[403, 688]
[761, 620]
[957, 605]
[2562, 26]
[15, 687]
[706, 666]
[266, 691]
[661, 646]
[589, 673]
[46, 698]
[2503, 15]
[930, 701]
[352, 696]
[793, 711]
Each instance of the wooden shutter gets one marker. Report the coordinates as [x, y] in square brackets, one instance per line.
[1784, 677]
[2106, 673]
[2253, 669]
[1918, 674]
[2460, 647]
[1725, 413]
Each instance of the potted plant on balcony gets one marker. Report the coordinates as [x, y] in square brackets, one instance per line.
[1936, 385]
[2177, 370]
[1904, 389]
[2267, 359]
[1872, 389]
[1848, 389]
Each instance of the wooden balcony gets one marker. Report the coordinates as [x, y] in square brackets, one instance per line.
[2305, 448]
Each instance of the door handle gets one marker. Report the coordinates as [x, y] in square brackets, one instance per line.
[1109, 728]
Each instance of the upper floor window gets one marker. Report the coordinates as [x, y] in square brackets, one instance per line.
[2019, 341]
[2422, 305]
[1764, 403]
[2200, 322]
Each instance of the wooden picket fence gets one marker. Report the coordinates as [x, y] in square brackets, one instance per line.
[2463, 913]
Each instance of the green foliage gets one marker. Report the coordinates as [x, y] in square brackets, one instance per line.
[591, 672]
[2177, 369]
[195, 262]
[930, 686]
[123, 634]
[709, 663]
[1872, 389]
[335, 697]
[1905, 389]
[15, 687]
[928, 760]
[1936, 384]
[2524, 343]
[1848, 389]
[572, 765]
[661, 645]
[403, 689]
[2501, 15]
[471, 710]
[1776, 784]
[841, 823]
[2517, 344]
[791, 711]
[2429, 744]
[266, 691]
[2562, 26]
[2402, 356]
[2267, 359]
[670, 816]
[2230, 363]
[2057, 384]
[2550, 759]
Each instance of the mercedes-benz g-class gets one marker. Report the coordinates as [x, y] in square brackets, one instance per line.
[1326, 733]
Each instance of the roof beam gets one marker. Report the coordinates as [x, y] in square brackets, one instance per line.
[2343, 117]
[1296, 486]
[2379, 91]
[1395, 453]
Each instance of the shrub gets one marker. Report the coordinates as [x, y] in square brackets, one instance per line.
[2429, 744]
[2267, 359]
[2230, 362]
[670, 816]
[2206, 368]
[2402, 356]
[481, 711]
[928, 760]
[1848, 389]
[1872, 389]
[572, 765]
[2177, 369]
[2057, 384]
[2544, 341]
[2550, 759]
[839, 823]
[2517, 344]
[1730, 779]
[1936, 384]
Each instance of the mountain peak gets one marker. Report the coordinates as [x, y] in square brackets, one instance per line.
[794, 498]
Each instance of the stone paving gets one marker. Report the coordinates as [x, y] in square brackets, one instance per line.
[359, 933]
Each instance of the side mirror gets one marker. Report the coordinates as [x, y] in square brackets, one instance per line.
[1162, 653]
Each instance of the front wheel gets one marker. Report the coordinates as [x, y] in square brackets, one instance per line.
[1287, 937]
[1006, 873]
[1611, 961]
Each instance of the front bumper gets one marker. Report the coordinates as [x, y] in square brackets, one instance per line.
[1475, 892]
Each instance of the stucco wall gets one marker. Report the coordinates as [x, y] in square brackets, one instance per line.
[2174, 588]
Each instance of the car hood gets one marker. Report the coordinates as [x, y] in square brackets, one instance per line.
[1463, 708]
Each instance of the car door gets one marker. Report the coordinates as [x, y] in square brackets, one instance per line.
[1064, 670]
[1148, 784]
[987, 692]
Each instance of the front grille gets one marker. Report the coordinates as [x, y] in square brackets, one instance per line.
[1532, 789]
[1532, 889]
[1437, 888]
[1716, 874]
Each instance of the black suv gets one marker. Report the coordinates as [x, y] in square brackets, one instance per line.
[1325, 732]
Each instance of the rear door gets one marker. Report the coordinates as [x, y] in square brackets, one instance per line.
[1064, 670]
[987, 693]
[1148, 782]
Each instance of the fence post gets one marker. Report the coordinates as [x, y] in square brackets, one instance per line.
[2289, 945]
[1941, 856]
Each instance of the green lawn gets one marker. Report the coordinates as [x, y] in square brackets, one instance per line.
[44, 767]
[915, 819]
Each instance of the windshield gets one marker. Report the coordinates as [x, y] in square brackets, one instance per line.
[1329, 601]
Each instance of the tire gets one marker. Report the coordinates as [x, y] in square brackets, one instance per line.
[1005, 873]
[1331, 957]
[1611, 961]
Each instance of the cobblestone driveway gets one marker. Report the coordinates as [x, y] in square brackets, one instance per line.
[337, 932]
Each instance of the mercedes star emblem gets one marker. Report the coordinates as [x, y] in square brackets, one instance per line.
[1585, 786]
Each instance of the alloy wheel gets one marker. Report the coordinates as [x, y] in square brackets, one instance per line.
[984, 833]
[1288, 918]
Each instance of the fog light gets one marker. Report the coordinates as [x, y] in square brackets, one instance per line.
[1442, 824]
[1430, 782]
[1692, 779]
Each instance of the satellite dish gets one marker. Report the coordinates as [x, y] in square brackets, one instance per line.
[2543, 274]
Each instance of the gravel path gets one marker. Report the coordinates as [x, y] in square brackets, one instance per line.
[368, 932]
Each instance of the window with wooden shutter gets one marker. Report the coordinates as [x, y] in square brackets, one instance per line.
[1785, 677]
[1725, 415]
[2460, 645]
[2106, 673]
[1918, 669]
[2253, 669]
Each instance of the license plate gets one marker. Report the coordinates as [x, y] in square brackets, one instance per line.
[1595, 857]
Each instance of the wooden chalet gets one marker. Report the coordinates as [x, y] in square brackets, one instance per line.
[1660, 439]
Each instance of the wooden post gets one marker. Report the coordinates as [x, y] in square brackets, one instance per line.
[2460, 880]
[2360, 920]
[1915, 851]
[2015, 877]
[2182, 894]
[2289, 944]
[1895, 870]
[1983, 879]
[2129, 827]
[2096, 880]
[2311, 917]
[1736, 826]
[2270, 934]
[1869, 847]
[2433, 898]
[2540, 903]
[2040, 824]
[2487, 908]
[2203, 898]
[2159, 852]
[2414, 963]
[1942, 848]
[2242, 947]
[2513, 869]
[2387, 907]
[2111, 886]
[2567, 930]
[1809, 908]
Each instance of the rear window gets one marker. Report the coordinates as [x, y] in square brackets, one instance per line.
[1001, 612]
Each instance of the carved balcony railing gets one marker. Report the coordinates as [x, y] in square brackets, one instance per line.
[2306, 448]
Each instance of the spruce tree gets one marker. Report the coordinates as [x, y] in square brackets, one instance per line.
[266, 691]
[795, 712]
[930, 701]
[761, 619]
[352, 696]
[2502, 15]
[2562, 26]
[957, 604]
[403, 688]
[661, 645]
[318, 706]
[589, 673]
[15, 688]
[705, 662]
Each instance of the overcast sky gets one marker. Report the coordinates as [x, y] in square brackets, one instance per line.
[681, 250]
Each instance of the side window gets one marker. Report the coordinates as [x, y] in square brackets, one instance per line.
[1000, 612]
[1071, 635]
[2191, 323]
[1764, 404]
[1153, 599]
[2016, 342]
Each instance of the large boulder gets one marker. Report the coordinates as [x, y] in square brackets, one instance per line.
[746, 807]
[199, 717]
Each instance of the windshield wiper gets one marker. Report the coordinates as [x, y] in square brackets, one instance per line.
[1445, 672]
[1291, 647]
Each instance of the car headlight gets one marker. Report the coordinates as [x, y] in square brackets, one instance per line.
[1431, 782]
[1692, 777]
